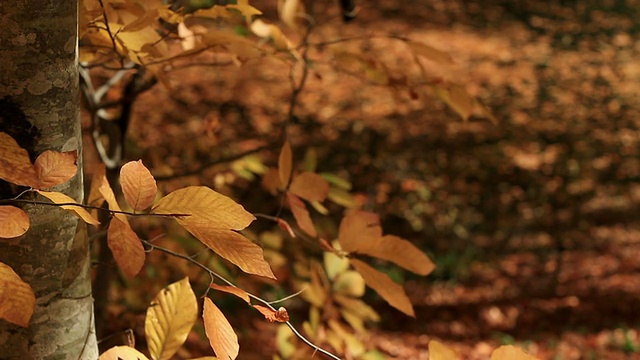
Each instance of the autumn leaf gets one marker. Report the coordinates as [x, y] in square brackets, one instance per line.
[245, 9]
[301, 214]
[349, 283]
[138, 185]
[17, 300]
[438, 351]
[280, 315]
[430, 53]
[310, 186]
[285, 164]
[458, 99]
[14, 222]
[399, 251]
[357, 229]
[55, 168]
[110, 197]
[219, 332]
[126, 247]
[232, 290]
[95, 198]
[122, 353]
[15, 165]
[60, 198]
[290, 12]
[390, 291]
[510, 352]
[170, 317]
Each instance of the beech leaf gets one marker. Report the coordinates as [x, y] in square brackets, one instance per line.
[122, 353]
[170, 317]
[510, 352]
[280, 315]
[219, 332]
[285, 164]
[15, 165]
[138, 185]
[439, 351]
[358, 229]
[110, 197]
[55, 168]
[310, 186]
[301, 214]
[17, 300]
[126, 247]
[390, 291]
[399, 251]
[14, 222]
[60, 198]
[232, 290]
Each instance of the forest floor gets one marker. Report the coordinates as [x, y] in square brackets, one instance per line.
[533, 221]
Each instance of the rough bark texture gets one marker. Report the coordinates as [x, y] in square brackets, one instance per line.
[39, 107]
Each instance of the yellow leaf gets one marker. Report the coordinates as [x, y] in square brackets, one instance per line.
[438, 351]
[17, 300]
[285, 164]
[458, 99]
[122, 353]
[310, 186]
[55, 168]
[15, 165]
[301, 215]
[126, 247]
[354, 347]
[399, 251]
[430, 53]
[349, 283]
[138, 185]
[291, 11]
[60, 198]
[357, 229]
[205, 207]
[334, 264]
[390, 291]
[341, 197]
[170, 317]
[13, 222]
[245, 9]
[357, 307]
[219, 332]
[510, 352]
[232, 290]
[110, 197]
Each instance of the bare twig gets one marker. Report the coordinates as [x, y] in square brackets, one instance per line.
[34, 202]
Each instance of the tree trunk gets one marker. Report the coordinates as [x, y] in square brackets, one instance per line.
[39, 107]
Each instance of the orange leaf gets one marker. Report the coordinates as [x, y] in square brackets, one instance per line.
[271, 181]
[205, 207]
[15, 165]
[310, 186]
[55, 168]
[219, 332]
[60, 198]
[399, 251]
[232, 246]
[357, 229]
[126, 247]
[110, 197]
[390, 291]
[438, 351]
[280, 315]
[95, 197]
[431, 53]
[13, 222]
[122, 353]
[301, 215]
[232, 290]
[17, 300]
[138, 185]
[510, 352]
[285, 164]
[458, 99]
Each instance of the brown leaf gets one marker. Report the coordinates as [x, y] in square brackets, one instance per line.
[301, 215]
[95, 197]
[285, 164]
[430, 53]
[14, 222]
[458, 99]
[438, 351]
[232, 246]
[390, 291]
[232, 290]
[205, 207]
[17, 300]
[358, 229]
[271, 181]
[126, 247]
[110, 197]
[60, 198]
[138, 185]
[55, 168]
[310, 186]
[15, 165]
[219, 332]
[510, 352]
[280, 315]
[399, 251]
[122, 353]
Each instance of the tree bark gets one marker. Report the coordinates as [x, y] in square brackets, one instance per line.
[39, 107]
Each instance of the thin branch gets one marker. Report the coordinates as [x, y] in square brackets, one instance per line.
[252, 296]
[34, 202]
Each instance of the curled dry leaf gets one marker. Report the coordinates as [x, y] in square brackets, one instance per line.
[390, 291]
[232, 290]
[301, 214]
[14, 222]
[17, 300]
[285, 164]
[126, 247]
[219, 332]
[122, 353]
[439, 351]
[55, 168]
[15, 165]
[170, 317]
[280, 315]
[60, 198]
[310, 186]
[138, 185]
